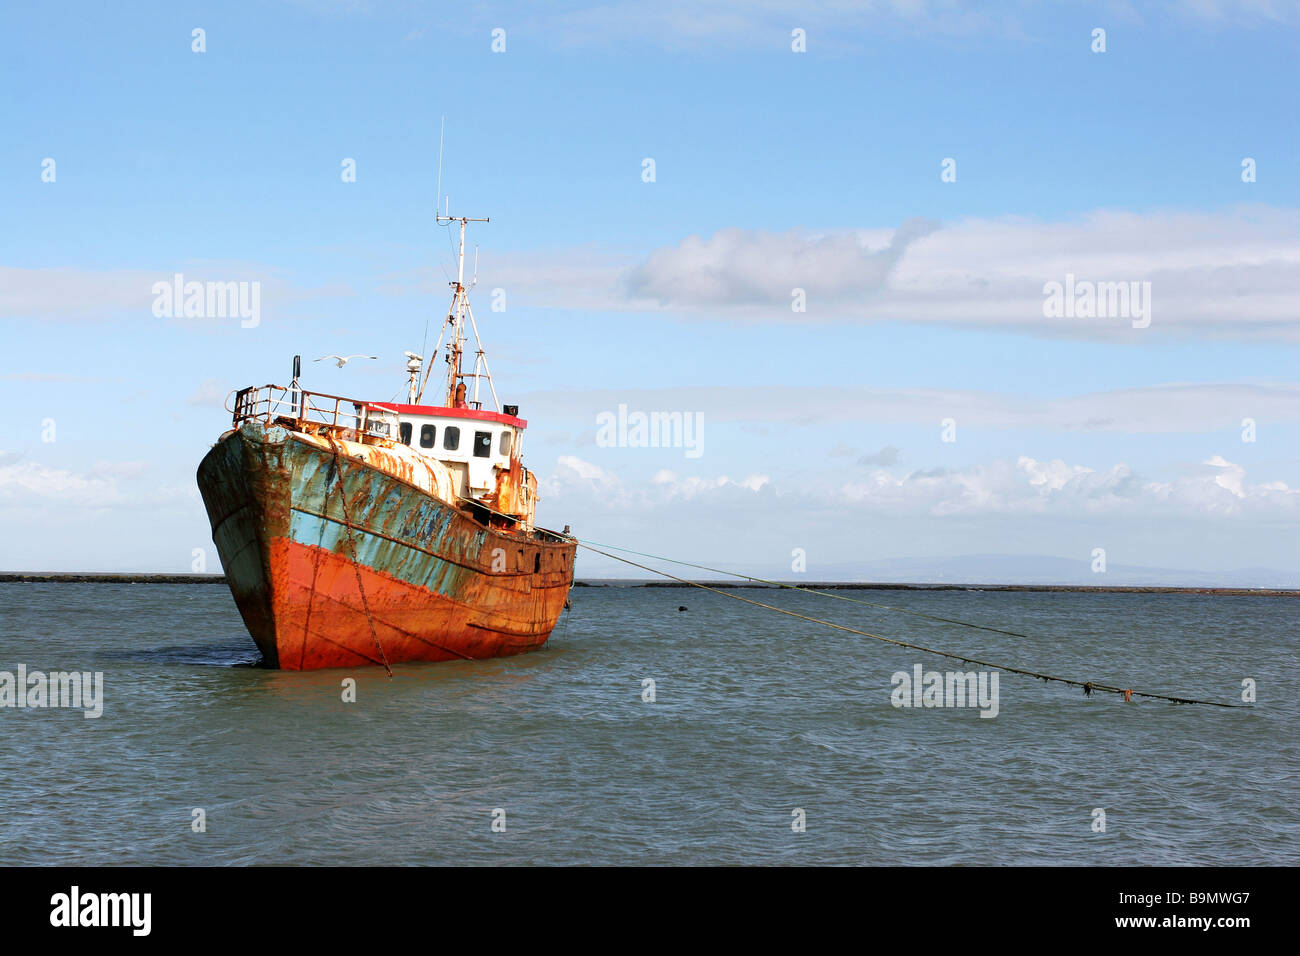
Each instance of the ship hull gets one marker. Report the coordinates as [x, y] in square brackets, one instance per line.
[392, 574]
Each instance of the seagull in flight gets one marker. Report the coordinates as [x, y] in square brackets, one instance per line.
[343, 360]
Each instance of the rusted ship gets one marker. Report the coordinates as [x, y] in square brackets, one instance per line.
[358, 532]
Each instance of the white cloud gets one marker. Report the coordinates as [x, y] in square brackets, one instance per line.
[74, 293]
[1228, 273]
[1028, 486]
[28, 486]
[692, 486]
[739, 268]
[1003, 487]
[29, 482]
[1232, 476]
[574, 468]
[575, 477]
[1173, 407]
[100, 294]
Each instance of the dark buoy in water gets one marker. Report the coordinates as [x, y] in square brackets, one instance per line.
[681, 607]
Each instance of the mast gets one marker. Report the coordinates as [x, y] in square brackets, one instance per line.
[456, 318]
[456, 315]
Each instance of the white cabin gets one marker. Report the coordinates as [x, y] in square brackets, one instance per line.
[474, 444]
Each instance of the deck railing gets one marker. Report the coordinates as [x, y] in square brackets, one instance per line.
[312, 411]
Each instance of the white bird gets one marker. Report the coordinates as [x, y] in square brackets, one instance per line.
[343, 360]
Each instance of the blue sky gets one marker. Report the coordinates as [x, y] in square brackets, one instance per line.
[773, 170]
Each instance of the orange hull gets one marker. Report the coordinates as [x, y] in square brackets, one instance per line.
[325, 625]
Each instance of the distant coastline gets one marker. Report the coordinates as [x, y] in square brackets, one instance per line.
[107, 577]
[92, 577]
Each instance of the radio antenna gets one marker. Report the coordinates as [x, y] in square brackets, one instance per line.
[456, 316]
[441, 133]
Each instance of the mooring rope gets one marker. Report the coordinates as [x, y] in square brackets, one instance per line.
[1087, 686]
[352, 545]
[796, 587]
[311, 593]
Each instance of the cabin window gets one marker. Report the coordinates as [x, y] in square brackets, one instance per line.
[482, 444]
[405, 432]
[537, 562]
[427, 434]
[505, 443]
[451, 438]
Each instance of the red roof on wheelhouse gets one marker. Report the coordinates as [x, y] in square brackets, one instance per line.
[478, 414]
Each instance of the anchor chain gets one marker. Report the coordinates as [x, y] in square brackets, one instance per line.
[352, 546]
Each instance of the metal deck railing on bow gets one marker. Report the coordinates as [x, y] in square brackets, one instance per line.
[311, 411]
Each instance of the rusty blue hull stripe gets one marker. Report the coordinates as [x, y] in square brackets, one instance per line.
[396, 510]
[379, 553]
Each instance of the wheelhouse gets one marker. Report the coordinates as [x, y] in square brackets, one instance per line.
[470, 441]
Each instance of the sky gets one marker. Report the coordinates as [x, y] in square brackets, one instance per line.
[826, 233]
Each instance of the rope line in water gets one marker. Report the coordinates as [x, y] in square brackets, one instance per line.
[829, 594]
[1087, 686]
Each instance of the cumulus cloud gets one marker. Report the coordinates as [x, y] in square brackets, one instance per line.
[1167, 408]
[574, 470]
[737, 267]
[25, 481]
[28, 486]
[1029, 486]
[574, 477]
[1224, 273]
[693, 485]
[1025, 487]
[1209, 272]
